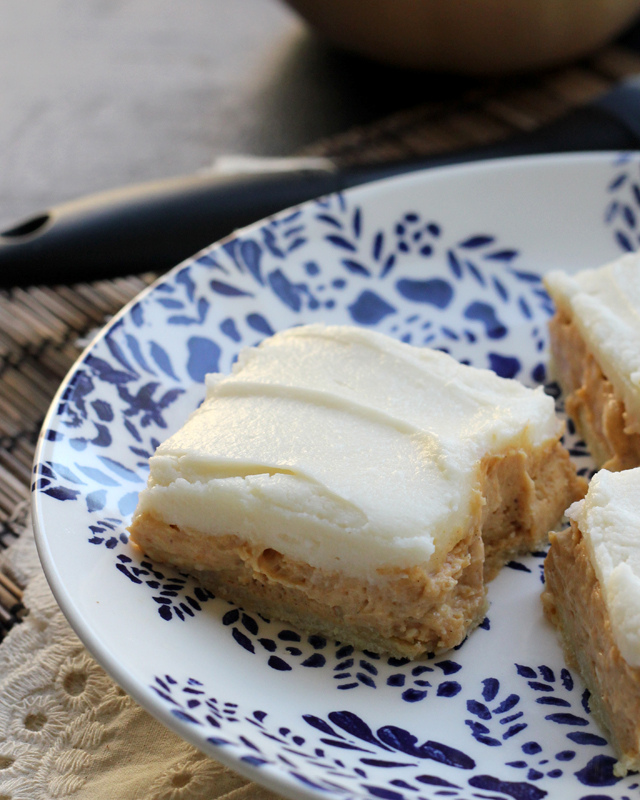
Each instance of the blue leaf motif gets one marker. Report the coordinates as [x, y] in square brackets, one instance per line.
[357, 223]
[120, 470]
[251, 254]
[103, 410]
[355, 267]
[96, 500]
[490, 688]
[63, 471]
[182, 319]
[275, 662]
[435, 291]
[228, 327]
[618, 181]
[500, 289]
[98, 476]
[271, 243]
[474, 242]
[170, 302]
[204, 355]
[340, 241]
[103, 436]
[292, 217]
[128, 503]
[161, 357]
[506, 705]
[285, 290]
[260, 324]
[369, 308]
[517, 790]
[291, 232]
[565, 718]
[432, 780]
[61, 493]
[624, 241]
[242, 640]
[475, 272]
[136, 351]
[203, 308]
[184, 716]
[227, 290]
[378, 244]
[528, 277]
[478, 709]
[107, 373]
[355, 726]
[504, 366]
[132, 430]
[184, 277]
[329, 220]
[486, 314]
[137, 315]
[321, 725]
[502, 255]
[144, 403]
[598, 772]
[115, 349]
[402, 740]
[454, 264]
[388, 265]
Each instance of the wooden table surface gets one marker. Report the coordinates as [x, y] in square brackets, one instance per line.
[100, 93]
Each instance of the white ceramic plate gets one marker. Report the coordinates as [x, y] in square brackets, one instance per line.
[449, 258]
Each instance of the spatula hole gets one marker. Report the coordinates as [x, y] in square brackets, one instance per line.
[26, 228]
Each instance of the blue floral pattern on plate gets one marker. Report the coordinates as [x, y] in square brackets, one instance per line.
[425, 259]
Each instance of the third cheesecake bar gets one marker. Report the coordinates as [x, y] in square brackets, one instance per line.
[592, 595]
[595, 347]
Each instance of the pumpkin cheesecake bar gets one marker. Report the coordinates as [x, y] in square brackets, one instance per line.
[357, 486]
[595, 349]
[592, 595]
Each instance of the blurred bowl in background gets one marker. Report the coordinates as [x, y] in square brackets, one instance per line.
[470, 37]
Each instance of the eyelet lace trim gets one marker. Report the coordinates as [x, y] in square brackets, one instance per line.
[67, 730]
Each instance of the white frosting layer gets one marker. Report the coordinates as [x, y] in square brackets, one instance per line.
[608, 518]
[343, 448]
[605, 303]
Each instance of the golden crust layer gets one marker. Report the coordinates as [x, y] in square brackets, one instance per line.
[573, 602]
[590, 399]
[405, 612]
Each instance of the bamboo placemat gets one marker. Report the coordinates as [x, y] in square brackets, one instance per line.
[42, 328]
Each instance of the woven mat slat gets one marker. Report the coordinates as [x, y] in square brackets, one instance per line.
[42, 328]
[41, 331]
[72, 316]
[55, 327]
[521, 104]
[17, 464]
[11, 494]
